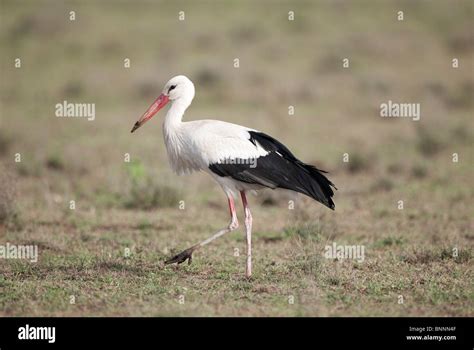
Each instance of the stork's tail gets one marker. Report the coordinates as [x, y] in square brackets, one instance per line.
[315, 184]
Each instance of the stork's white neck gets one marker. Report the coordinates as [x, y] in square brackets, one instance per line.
[175, 137]
[174, 117]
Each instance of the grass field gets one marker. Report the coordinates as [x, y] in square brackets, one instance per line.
[105, 257]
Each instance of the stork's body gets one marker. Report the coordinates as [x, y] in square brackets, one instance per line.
[238, 158]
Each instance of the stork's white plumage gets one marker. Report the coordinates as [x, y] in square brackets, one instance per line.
[238, 158]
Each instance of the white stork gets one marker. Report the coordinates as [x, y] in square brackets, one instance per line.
[240, 159]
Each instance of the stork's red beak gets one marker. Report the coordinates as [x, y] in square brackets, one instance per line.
[159, 103]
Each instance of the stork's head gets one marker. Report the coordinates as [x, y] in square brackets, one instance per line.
[178, 89]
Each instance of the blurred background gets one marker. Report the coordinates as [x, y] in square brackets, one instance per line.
[282, 63]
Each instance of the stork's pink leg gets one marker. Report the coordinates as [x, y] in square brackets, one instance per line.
[248, 231]
[187, 254]
[234, 223]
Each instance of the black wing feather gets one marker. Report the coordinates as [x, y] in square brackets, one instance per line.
[279, 169]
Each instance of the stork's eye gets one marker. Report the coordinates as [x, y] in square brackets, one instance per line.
[171, 88]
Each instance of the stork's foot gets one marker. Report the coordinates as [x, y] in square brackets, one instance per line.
[182, 257]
